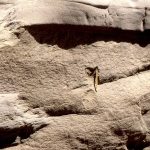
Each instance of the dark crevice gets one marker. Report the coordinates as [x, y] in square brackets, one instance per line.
[8, 136]
[69, 36]
[119, 132]
[8, 139]
[26, 131]
[62, 111]
[137, 142]
[92, 5]
[144, 111]
[101, 6]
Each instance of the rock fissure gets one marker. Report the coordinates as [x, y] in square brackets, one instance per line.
[92, 5]
[10, 136]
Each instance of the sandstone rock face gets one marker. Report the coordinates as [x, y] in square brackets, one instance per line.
[49, 51]
[127, 15]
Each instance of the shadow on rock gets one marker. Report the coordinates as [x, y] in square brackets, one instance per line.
[69, 36]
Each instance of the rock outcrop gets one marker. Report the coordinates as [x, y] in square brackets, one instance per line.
[126, 15]
[48, 52]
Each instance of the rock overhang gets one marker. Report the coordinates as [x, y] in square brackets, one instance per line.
[124, 15]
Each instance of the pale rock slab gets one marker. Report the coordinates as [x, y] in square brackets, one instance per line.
[125, 15]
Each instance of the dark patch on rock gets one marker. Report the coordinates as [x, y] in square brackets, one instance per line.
[69, 36]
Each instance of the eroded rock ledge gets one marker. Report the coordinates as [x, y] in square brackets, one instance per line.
[125, 15]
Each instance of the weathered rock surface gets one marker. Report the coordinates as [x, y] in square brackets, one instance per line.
[47, 97]
[126, 15]
[16, 120]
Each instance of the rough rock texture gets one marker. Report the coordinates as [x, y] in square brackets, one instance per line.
[17, 120]
[47, 95]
